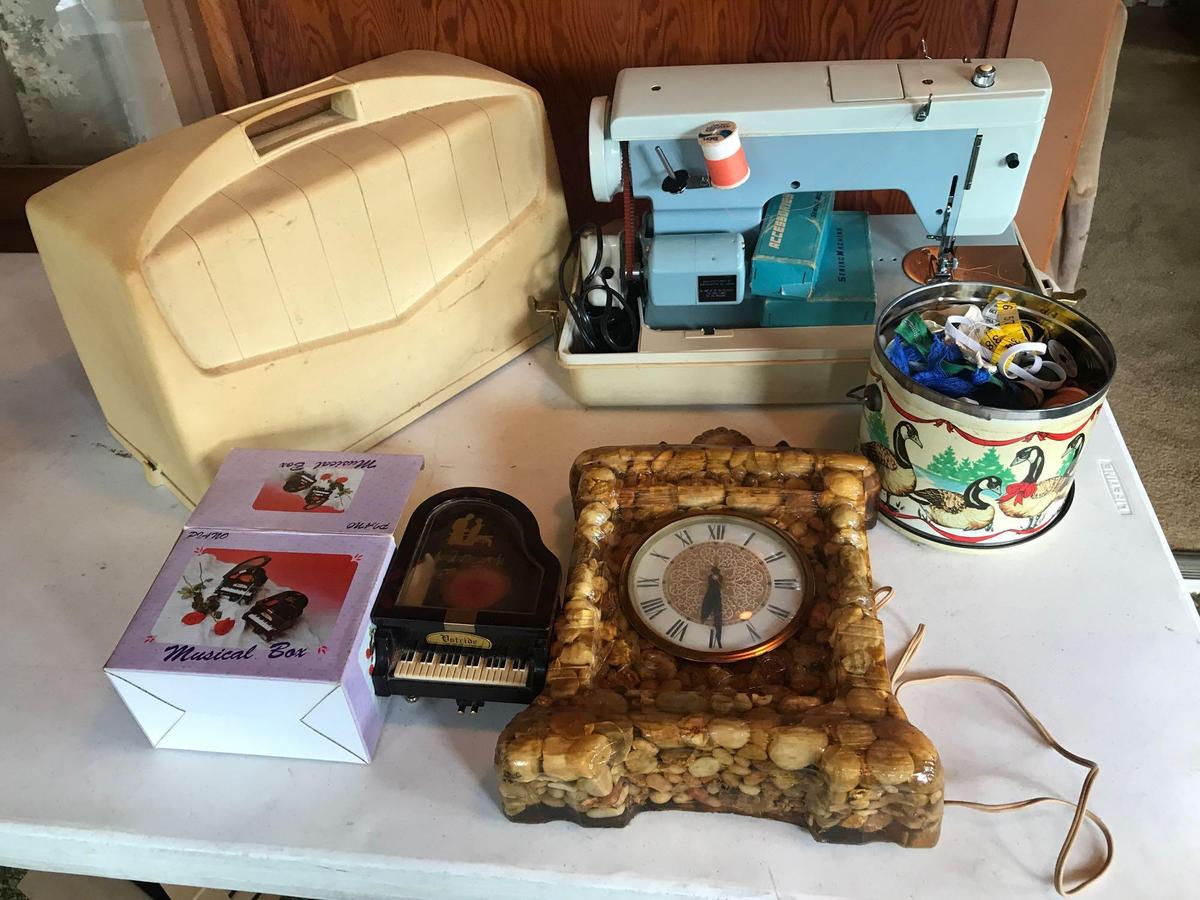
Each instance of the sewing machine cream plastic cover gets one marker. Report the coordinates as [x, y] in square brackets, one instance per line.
[314, 270]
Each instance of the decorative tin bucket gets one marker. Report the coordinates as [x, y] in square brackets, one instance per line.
[977, 477]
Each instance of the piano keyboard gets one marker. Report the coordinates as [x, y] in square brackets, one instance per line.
[260, 621]
[427, 665]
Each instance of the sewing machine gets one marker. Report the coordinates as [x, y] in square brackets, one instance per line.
[956, 136]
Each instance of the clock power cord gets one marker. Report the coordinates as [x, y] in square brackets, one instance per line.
[1080, 805]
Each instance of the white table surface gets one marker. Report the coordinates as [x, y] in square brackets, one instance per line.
[1089, 624]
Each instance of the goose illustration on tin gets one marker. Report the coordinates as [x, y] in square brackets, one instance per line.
[896, 475]
[1030, 498]
[968, 511]
[1074, 448]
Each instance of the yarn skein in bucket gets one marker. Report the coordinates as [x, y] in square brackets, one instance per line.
[966, 475]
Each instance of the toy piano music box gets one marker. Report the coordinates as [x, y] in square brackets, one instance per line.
[467, 606]
[744, 283]
[255, 635]
[316, 269]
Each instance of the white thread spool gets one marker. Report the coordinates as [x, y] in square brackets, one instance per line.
[724, 156]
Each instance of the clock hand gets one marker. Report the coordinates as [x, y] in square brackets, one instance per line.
[713, 603]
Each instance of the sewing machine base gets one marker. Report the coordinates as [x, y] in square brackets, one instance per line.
[741, 366]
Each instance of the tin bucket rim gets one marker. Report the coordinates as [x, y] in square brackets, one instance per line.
[972, 291]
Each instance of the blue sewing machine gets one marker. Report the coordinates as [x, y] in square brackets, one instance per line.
[956, 136]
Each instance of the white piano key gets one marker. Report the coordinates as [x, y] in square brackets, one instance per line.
[459, 668]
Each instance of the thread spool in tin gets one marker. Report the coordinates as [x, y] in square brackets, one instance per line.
[724, 156]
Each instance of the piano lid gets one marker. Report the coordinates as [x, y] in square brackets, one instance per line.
[470, 557]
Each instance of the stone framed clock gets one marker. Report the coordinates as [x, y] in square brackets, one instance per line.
[716, 587]
[718, 649]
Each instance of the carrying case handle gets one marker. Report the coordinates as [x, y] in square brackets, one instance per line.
[299, 118]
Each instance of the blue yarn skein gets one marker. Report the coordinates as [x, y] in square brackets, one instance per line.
[906, 358]
[901, 355]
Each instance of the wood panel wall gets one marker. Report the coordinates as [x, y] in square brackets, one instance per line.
[571, 50]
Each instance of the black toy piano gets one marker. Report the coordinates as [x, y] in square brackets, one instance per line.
[242, 583]
[272, 616]
[468, 602]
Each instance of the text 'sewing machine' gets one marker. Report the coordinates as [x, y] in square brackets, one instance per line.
[744, 283]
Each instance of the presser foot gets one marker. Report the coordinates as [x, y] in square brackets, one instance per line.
[942, 268]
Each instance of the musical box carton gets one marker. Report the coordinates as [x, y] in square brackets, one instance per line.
[255, 635]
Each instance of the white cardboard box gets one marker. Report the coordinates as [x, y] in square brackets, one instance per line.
[255, 635]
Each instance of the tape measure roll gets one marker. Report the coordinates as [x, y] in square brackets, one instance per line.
[724, 156]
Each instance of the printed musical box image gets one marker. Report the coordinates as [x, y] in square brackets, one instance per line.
[255, 635]
[308, 491]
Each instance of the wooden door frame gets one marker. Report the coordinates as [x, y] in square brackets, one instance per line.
[232, 75]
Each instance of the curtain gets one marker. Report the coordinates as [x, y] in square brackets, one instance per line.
[79, 80]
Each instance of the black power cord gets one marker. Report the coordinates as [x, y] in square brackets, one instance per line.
[612, 327]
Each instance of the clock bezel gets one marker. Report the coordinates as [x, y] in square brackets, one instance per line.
[716, 656]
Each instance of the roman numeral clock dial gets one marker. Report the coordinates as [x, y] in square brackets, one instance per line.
[716, 587]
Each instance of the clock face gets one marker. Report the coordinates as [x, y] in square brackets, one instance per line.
[717, 587]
